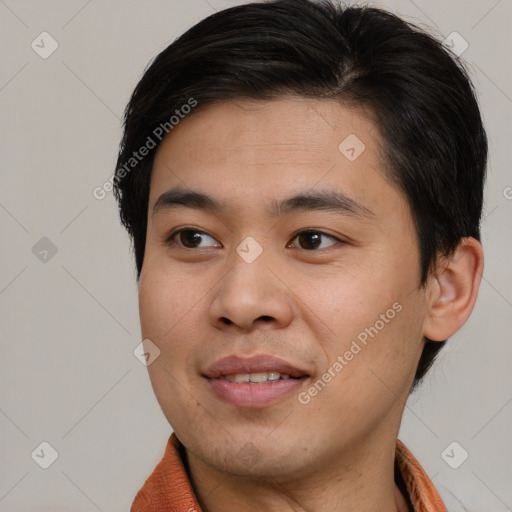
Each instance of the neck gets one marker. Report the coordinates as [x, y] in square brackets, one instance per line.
[358, 479]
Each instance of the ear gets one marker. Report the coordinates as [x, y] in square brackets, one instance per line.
[452, 290]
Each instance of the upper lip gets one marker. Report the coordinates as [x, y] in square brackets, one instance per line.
[233, 364]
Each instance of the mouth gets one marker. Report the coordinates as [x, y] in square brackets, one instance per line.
[254, 382]
[255, 394]
[259, 378]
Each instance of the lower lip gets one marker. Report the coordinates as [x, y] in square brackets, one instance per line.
[254, 395]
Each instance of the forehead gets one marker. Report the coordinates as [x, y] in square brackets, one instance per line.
[244, 150]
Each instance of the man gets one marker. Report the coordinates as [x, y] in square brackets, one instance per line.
[303, 184]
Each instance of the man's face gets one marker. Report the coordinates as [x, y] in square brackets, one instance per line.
[334, 293]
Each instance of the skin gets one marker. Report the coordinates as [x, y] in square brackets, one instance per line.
[302, 304]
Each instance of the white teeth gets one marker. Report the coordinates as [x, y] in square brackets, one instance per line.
[256, 377]
[239, 377]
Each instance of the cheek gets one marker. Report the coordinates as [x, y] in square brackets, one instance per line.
[372, 317]
[170, 316]
[167, 302]
[346, 299]
[378, 357]
[167, 318]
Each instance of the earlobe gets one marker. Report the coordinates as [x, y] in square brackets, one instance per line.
[453, 290]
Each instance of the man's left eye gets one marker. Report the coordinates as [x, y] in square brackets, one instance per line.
[312, 239]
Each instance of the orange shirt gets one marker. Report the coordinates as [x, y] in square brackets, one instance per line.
[168, 488]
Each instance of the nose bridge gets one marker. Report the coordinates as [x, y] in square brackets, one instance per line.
[248, 275]
[249, 289]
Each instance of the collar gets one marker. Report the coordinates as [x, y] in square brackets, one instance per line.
[168, 488]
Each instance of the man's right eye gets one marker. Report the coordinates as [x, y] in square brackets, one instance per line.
[187, 238]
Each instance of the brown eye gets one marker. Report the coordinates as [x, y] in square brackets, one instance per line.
[188, 238]
[311, 240]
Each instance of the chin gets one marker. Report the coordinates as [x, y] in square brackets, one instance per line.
[264, 459]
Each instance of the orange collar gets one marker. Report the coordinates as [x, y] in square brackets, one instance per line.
[168, 488]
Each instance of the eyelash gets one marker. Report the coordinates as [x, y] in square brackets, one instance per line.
[170, 239]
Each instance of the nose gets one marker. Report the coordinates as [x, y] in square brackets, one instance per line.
[251, 294]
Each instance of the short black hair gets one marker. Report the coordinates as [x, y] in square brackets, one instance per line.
[419, 93]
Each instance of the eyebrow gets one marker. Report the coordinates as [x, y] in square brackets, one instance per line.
[323, 200]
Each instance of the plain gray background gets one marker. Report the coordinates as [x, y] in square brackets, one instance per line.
[69, 319]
